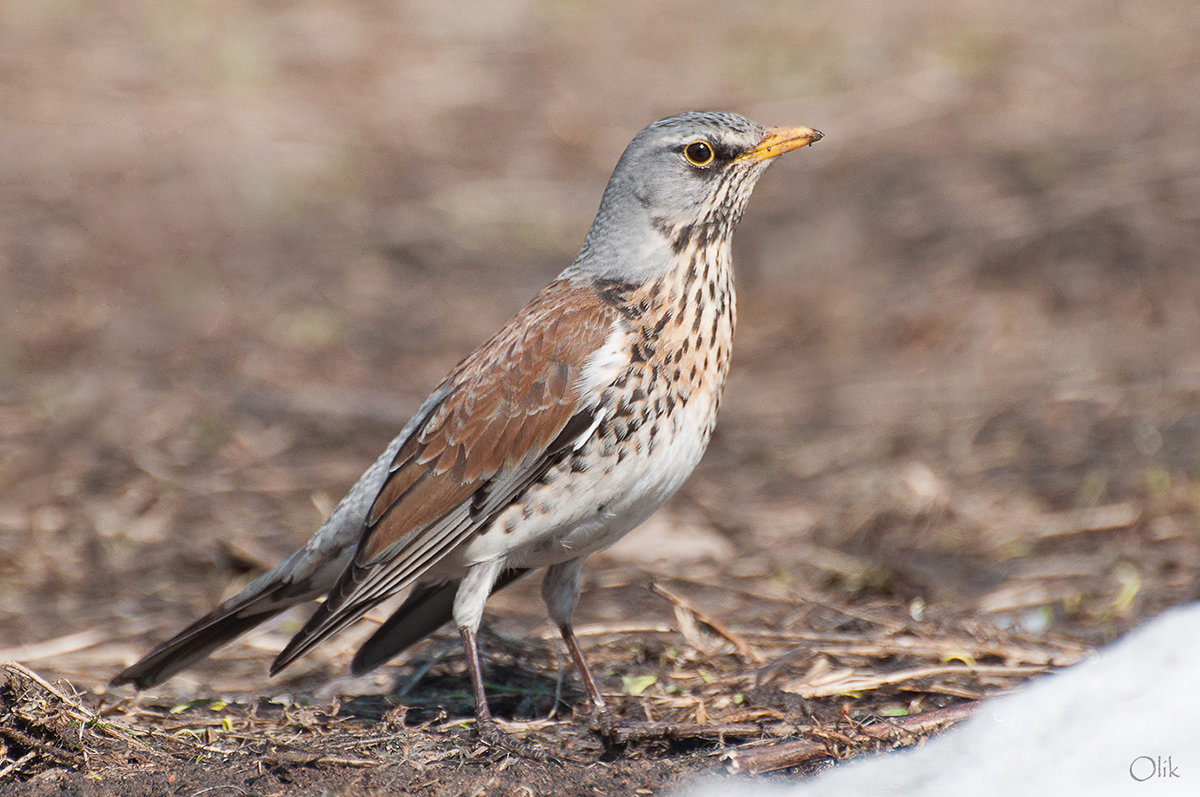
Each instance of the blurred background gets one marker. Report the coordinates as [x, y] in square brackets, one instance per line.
[241, 241]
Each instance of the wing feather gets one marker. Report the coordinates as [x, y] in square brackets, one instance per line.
[504, 415]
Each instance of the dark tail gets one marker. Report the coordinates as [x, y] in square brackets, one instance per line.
[426, 609]
[293, 581]
[192, 644]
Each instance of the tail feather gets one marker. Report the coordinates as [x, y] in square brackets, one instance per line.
[303, 576]
[306, 638]
[192, 644]
[331, 616]
[307, 574]
[426, 609]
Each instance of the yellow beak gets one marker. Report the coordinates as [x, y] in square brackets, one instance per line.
[780, 140]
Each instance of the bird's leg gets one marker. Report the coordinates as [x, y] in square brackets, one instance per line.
[485, 724]
[604, 722]
[468, 613]
[560, 590]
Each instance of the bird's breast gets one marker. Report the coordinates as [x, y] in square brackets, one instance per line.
[665, 371]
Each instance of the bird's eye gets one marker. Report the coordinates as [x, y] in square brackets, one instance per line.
[699, 153]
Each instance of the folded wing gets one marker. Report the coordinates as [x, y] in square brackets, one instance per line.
[505, 415]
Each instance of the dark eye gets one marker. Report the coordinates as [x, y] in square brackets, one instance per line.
[699, 153]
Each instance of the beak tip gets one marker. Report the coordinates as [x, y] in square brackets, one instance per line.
[780, 140]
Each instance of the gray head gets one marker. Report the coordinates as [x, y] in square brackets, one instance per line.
[692, 172]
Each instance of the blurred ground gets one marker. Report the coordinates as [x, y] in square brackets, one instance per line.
[240, 242]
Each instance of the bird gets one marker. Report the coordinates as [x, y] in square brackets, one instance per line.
[556, 437]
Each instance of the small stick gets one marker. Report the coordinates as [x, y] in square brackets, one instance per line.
[602, 629]
[782, 755]
[300, 758]
[746, 651]
[865, 683]
[625, 732]
[840, 645]
[76, 710]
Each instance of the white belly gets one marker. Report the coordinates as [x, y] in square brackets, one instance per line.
[578, 512]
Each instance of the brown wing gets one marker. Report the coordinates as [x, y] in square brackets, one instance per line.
[490, 429]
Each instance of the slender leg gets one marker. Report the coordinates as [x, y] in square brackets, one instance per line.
[468, 612]
[560, 590]
[604, 720]
[469, 601]
[484, 722]
[585, 675]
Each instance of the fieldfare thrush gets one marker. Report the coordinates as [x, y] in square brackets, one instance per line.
[568, 428]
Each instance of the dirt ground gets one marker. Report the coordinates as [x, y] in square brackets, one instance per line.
[239, 242]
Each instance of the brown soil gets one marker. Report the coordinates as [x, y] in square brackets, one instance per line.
[239, 243]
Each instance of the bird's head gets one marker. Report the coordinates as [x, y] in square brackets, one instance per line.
[691, 171]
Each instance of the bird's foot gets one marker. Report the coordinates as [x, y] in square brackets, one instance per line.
[610, 729]
[601, 721]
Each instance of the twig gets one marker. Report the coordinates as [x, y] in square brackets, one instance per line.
[604, 629]
[65, 757]
[308, 759]
[746, 651]
[782, 755]
[1097, 518]
[216, 788]
[13, 766]
[627, 732]
[807, 599]
[857, 645]
[76, 710]
[863, 683]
